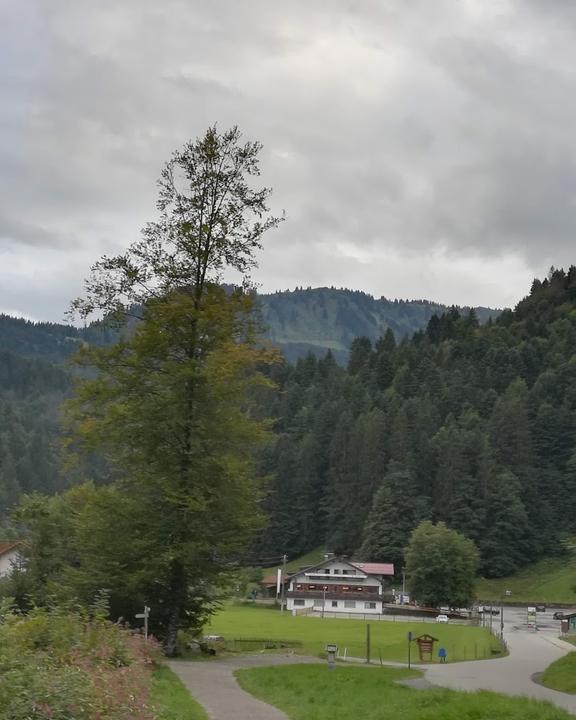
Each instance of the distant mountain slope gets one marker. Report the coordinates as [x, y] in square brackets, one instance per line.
[321, 319]
[51, 342]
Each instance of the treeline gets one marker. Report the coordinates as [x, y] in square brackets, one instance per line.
[320, 319]
[51, 342]
[32, 394]
[473, 426]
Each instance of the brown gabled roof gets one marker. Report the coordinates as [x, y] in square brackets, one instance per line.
[8, 545]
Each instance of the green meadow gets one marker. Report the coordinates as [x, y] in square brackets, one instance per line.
[552, 580]
[388, 639]
[312, 692]
[561, 675]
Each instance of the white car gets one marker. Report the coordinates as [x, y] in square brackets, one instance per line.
[442, 618]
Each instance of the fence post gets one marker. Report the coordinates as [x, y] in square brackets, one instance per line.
[368, 643]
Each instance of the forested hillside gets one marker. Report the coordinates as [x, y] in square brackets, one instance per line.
[320, 319]
[471, 425]
[31, 393]
[34, 383]
[35, 377]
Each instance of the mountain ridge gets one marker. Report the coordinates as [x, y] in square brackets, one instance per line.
[326, 318]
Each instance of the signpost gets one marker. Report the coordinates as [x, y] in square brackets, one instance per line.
[409, 646]
[426, 647]
[144, 616]
[331, 651]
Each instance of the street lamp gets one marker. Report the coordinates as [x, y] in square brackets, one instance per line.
[324, 588]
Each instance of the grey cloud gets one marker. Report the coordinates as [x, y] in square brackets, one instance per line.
[390, 129]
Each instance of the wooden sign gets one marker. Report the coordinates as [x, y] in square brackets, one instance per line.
[426, 647]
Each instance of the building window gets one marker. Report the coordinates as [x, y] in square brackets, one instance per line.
[334, 603]
[345, 588]
[318, 603]
[349, 603]
[311, 587]
[359, 589]
[298, 587]
[299, 601]
[370, 606]
[344, 572]
[327, 571]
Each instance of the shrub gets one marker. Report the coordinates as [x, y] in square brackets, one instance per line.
[63, 664]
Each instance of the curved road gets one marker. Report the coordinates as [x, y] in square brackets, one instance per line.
[214, 686]
[530, 652]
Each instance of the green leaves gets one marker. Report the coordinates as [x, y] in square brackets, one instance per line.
[441, 566]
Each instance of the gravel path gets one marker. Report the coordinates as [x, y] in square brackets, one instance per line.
[214, 686]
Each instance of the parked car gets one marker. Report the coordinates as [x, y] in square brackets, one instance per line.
[540, 608]
[558, 615]
[442, 618]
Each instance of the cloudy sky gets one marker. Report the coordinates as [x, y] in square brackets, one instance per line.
[420, 148]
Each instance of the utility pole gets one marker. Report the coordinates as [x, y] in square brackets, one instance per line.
[403, 584]
[283, 588]
[324, 600]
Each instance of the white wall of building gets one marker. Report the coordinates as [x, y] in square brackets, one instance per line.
[362, 607]
[7, 561]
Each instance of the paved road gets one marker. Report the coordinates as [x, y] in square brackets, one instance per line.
[214, 686]
[530, 653]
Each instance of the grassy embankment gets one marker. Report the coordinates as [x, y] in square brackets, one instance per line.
[312, 558]
[548, 581]
[561, 675]
[172, 700]
[388, 639]
[311, 692]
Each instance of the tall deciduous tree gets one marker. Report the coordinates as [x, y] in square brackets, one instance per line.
[169, 402]
[441, 565]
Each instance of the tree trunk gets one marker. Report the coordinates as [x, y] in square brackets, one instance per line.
[178, 584]
[171, 639]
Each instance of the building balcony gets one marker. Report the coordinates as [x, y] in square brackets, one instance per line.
[329, 595]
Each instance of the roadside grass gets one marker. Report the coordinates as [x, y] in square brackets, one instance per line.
[561, 675]
[171, 699]
[312, 692]
[312, 558]
[548, 581]
[388, 639]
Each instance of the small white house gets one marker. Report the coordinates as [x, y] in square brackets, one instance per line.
[340, 585]
[9, 557]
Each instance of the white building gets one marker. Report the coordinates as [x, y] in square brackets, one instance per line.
[9, 557]
[341, 585]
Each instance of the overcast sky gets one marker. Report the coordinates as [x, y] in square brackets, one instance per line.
[420, 148]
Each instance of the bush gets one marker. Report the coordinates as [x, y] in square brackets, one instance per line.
[63, 664]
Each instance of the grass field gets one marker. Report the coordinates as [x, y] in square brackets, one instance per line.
[312, 692]
[388, 639]
[172, 699]
[312, 558]
[547, 581]
[561, 675]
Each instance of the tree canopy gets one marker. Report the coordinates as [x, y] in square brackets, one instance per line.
[441, 566]
[169, 404]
